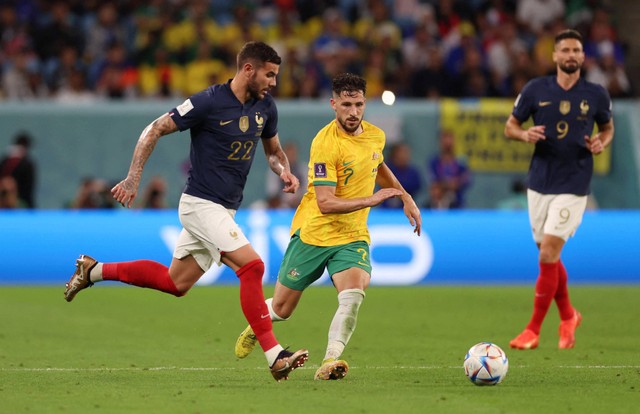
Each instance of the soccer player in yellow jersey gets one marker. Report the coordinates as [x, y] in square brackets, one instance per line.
[329, 229]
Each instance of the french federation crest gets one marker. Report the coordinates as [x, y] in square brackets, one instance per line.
[244, 123]
[565, 107]
[584, 107]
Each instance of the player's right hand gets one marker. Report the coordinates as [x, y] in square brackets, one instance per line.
[534, 134]
[125, 192]
[383, 194]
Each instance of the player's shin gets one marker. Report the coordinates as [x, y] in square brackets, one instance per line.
[562, 294]
[546, 287]
[344, 321]
[253, 304]
[274, 316]
[142, 273]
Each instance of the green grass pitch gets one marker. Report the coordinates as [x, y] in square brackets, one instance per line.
[119, 349]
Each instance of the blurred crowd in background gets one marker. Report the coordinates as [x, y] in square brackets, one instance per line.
[86, 50]
[80, 51]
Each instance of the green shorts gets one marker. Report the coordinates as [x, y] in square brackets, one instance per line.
[304, 263]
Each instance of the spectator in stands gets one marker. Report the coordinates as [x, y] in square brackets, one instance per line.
[117, 77]
[534, 15]
[21, 79]
[9, 193]
[14, 34]
[542, 47]
[450, 174]
[433, 81]
[58, 72]
[447, 17]
[155, 193]
[415, 49]
[439, 197]
[503, 52]
[93, 193]
[62, 30]
[399, 162]
[19, 165]
[333, 51]
[602, 39]
[462, 41]
[609, 73]
[109, 28]
[517, 200]
[474, 79]
[320, 37]
[75, 89]
[204, 70]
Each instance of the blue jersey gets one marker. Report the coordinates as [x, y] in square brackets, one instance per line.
[224, 137]
[562, 164]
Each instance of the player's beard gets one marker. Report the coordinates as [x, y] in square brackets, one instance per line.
[254, 89]
[570, 69]
[347, 128]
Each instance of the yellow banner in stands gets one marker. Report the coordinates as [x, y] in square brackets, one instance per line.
[478, 127]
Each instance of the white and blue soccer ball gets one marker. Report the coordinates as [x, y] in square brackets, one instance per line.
[486, 364]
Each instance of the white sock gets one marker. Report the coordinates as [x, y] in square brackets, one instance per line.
[272, 354]
[344, 321]
[274, 316]
[95, 275]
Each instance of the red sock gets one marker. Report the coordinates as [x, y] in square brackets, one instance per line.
[142, 273]
[562, 294]
[252, 302]
[546, 288]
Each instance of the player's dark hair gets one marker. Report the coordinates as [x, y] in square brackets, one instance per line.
[568, 34]
[259, 53]
[350, 83]
[23, 139]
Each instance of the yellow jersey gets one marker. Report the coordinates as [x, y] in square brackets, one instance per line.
[350, 164]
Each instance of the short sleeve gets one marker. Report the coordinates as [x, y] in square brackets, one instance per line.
[271, 127]
[193, 111]
[603, 114]
[522, 108]
[323, 161]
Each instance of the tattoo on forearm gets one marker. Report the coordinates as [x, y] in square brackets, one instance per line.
[278, 161]
[147, 142]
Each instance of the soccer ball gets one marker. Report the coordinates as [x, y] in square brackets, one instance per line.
[486, 364]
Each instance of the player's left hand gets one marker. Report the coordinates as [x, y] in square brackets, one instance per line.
[594, 144]
[291, 182]
[412, 212]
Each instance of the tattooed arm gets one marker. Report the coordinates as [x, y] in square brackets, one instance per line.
[125, 191]
[279, 164]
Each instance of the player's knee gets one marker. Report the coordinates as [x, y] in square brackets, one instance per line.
[252, 271]
[548, 256]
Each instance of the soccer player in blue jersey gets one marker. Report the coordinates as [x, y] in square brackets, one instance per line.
[564, 109]
[226, 122]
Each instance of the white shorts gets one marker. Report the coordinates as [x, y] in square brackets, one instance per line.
[555, 214]
[208, 229]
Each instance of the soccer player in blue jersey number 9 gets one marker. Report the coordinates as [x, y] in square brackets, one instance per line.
[226, 122]
[564, 109]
